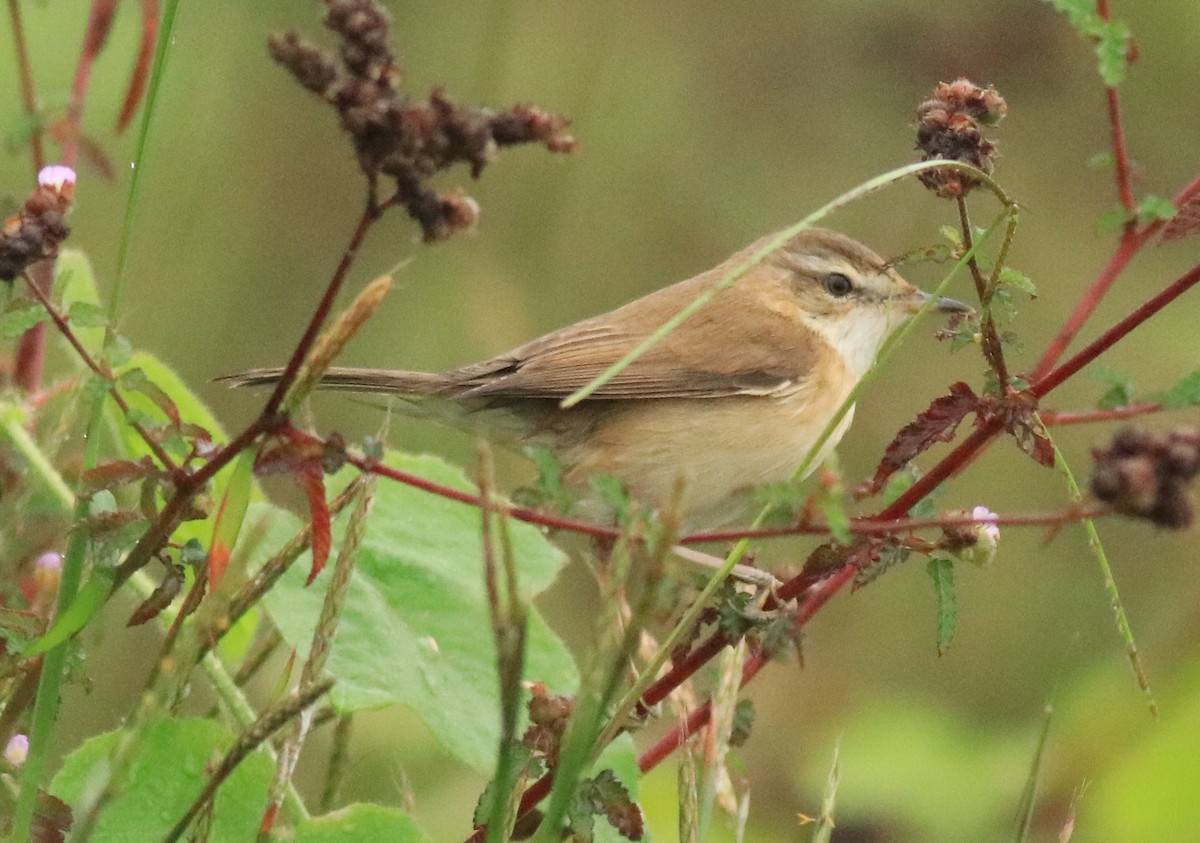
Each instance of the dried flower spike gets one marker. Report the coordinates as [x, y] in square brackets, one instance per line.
[401, 138]
[949, 128]
[1145, 474]
[37, 229]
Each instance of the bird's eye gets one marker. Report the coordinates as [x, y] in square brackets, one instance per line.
[838, 285]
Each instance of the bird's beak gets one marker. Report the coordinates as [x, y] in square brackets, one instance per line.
[946, 305]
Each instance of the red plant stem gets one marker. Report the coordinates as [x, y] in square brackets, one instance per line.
[1052, 418]
[25, 75]
[370, 216]
[1130, 243]
[100, 18]
[1120, 153]
[1117, 332]
[64, 328]
[30, 360]
[874, 526]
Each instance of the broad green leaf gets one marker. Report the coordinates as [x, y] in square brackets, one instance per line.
[85, 314]
[941, 571]
[415, 627]
[164, 778]
[361, 823]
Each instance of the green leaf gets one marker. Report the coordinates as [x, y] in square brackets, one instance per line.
[1020, 280]
[941, 571]
[1112, 50]
[360, 823]
[20, 316]
[191, 410]
[75, 284]
[1186, 393]
[1102, 159]
[1077, 11]
[86, 314]
[166, 774]
[1112, 220]
[1154, 207]
[1111, 37]
[415, 626]
[1120, 392]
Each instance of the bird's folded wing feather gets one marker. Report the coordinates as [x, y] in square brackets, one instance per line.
[766, 353]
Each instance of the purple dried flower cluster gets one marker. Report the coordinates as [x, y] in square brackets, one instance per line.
[949, 128]
[398, 137]
[1146, 474]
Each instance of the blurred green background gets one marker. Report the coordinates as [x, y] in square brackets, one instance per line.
[704, 126]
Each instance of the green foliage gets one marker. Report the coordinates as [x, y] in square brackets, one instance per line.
[1120, 387]
[1110, 37]
[360, 823]
[1185, 393]
[941, 571]
[165, 777]
[415, 627]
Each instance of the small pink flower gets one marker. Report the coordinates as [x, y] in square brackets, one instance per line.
[17, 750]
[58, 178]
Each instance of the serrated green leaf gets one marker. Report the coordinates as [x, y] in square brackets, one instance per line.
[941, 571]
[21, 315]
[1077, 11]
[415, 626]
[191, 409]
[1112, 50]
[1185, 393]
[1015, 278]
[360, 823]
[167, 773]
[85, 314]
[1120, 392]
[1153, 207]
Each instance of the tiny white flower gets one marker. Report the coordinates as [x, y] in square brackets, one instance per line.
[58, 177]
[987, 536]
[17, 750]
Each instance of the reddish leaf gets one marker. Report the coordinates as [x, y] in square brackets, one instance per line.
[1186, 222]
[111, 474]
[936, 424]
[51, 819]
[106, 522]
[1032, 439]
[312, 478]
[160, 598]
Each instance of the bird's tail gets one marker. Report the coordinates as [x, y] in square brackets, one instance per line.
[352, 380]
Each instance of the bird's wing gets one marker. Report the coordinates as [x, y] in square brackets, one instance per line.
[726, 349]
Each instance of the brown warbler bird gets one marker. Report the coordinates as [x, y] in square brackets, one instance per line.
[735, 397]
